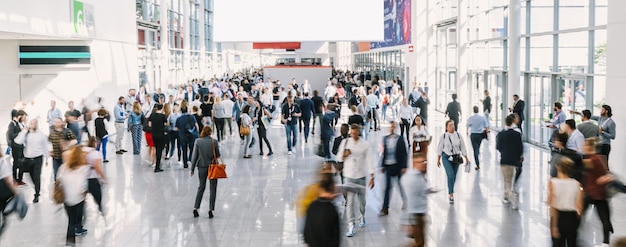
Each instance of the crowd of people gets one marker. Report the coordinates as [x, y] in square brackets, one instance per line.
[188, 122]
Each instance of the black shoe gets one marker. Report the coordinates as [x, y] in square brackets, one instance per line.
[247, 156]
[80, 232]
[123, 150]
[105, 161]
[477, 168]
[270, 153]
[185, 166]
[119, 152]
[261, 154]
[210, 214]
[195, 213]
[36, 200]
[158, 170]
[167, 158]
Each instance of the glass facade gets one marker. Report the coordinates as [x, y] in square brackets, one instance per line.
[562, 56]
[176, 24]
[194, 25]
[148, 10]
[208, 25]
[386, 64]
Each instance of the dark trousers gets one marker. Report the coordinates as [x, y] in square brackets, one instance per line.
[568, 229]
[263, 138]
[174, 144]
[404, 129]
[456, 122]
[18, 159]
[35, 173]
[56, 163]
[307, 127]
[136, 130]
[375, 118]
[326, 143]
[389, 176]
[477, 139]
[75, 216]
[605, 149]
[239, 126]
[96, 191]
[219, 126]
[159, 142]
[186, 143]
[203, 172]
[603, 210]
[316, 118]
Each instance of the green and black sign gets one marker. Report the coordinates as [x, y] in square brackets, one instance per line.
[54, 55]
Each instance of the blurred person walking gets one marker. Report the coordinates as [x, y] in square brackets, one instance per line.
[393, 164]
[73, 176]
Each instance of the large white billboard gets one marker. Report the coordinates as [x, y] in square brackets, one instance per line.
[298, 20]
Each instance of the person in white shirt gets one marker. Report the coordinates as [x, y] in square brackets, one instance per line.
[266, 98]
[451, 144]
[355, 154]
[35, 150]
[373, 102]
[330, 91]
[146, 107]
[419, 135]
[405, 112]
[73, 176]
[576, 139]
[228, 114]
[306, 87]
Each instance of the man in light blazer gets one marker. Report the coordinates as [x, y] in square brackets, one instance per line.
[201, 157]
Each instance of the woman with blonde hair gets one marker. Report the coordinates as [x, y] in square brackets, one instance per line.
[73, 176]
[135, 124]
[203, 153]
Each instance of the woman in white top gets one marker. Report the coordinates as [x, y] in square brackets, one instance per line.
[419, 136]
[246, 121]
[219, 114]
[96, 175]
[451, 146]
[565, 198]
[73, 177]
[266, 97]
[405, 112]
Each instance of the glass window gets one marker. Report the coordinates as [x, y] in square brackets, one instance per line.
[208, 25]
[601, 12]
[541, 53]
[148, 10]
[599, 93]
[542, 15]
[176, 22]
[194, 25]
[496, 54]
[599, 57]
[573, 14]
[573, 52]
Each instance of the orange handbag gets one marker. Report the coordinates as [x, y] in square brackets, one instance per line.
[217, 170]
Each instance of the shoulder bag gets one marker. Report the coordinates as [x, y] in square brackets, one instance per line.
[244, 130]
[217, 170]
[57, 195]
[455, 158]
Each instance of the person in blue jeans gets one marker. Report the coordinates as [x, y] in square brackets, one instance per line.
[290, 114]
[451, 143]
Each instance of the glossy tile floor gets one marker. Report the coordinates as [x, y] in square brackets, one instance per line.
[255, 206]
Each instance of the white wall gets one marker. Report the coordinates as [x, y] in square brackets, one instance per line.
[616, 75]
[113, 56]
[317, 76]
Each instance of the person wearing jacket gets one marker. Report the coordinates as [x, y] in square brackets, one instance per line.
[73, 176]
[394, 164]
[35, 150]
[17, 150]
[509, 144]
[202, 155]
[101, 133]
[136, 126]
[594, 168]
[416, 183]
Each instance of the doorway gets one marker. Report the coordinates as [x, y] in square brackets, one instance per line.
[539, 104]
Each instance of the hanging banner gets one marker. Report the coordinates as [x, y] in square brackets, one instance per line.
[397, 24]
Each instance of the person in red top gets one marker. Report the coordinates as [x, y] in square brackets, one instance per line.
[595, 167]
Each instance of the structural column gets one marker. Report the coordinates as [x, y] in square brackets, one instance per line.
[615, 78]
[514, 34]
[463, 80]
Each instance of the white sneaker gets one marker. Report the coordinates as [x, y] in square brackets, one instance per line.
[505, 200]
[350, 232]
[294, 151]
[290, 153]
[362, 222]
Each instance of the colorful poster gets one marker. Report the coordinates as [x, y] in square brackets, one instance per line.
[397, 24]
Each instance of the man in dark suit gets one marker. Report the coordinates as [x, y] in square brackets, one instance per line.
[17, 150]
[518, 107]
[308, 110]
[454, 111]
[393, 163]
[486, 104]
